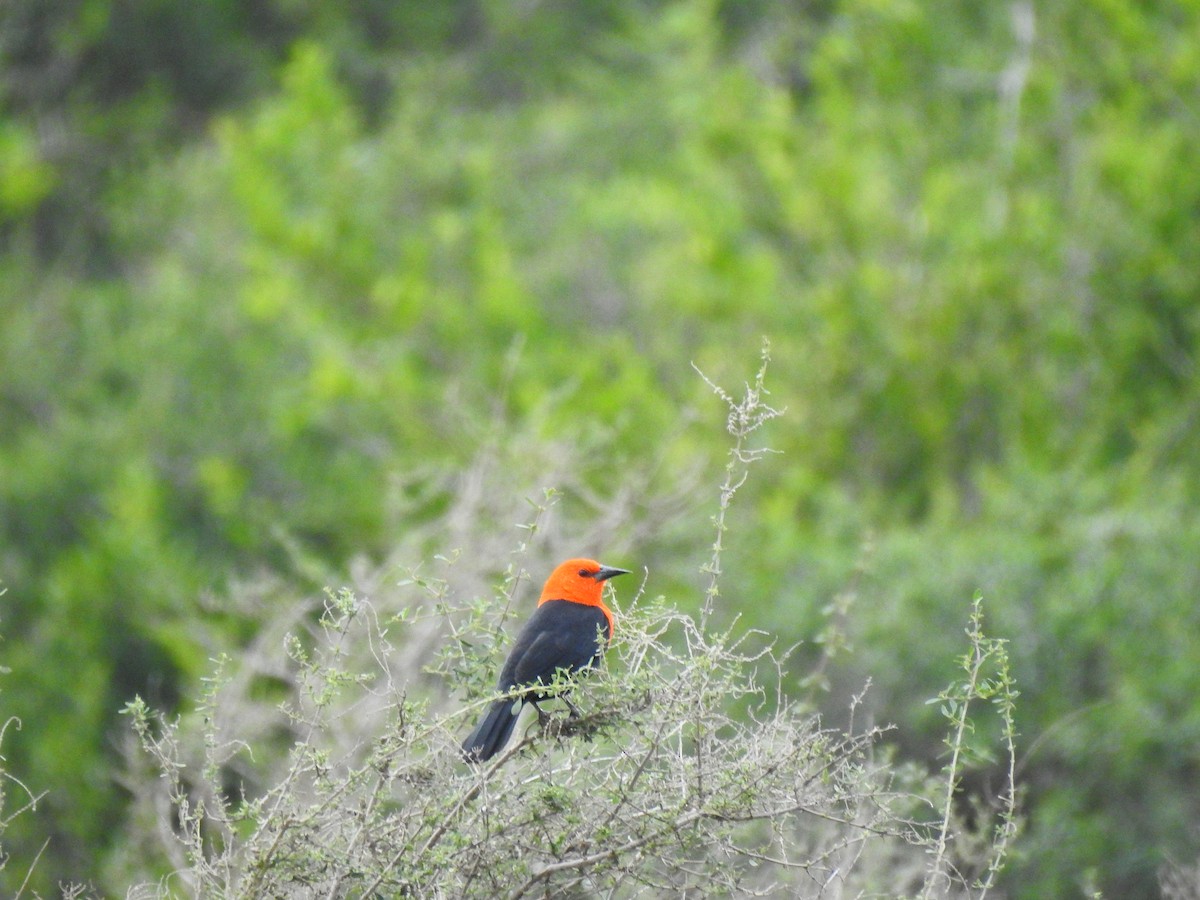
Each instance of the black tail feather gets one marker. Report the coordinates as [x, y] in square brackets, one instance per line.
[492, 732]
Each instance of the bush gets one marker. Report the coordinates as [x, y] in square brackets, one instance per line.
[325, 760]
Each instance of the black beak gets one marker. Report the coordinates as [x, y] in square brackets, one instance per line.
[607, 572]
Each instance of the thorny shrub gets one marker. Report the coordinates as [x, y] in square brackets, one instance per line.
[324, 760]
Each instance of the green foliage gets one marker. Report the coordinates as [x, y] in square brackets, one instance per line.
[656, 788]
[24, 178]
[264, 297]
[1070, 568]
[987, 678]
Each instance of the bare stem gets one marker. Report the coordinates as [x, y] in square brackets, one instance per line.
[745, 416]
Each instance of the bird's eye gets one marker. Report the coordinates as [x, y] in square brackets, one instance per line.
[584, 573]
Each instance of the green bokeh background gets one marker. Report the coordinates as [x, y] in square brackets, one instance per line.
[267, 269]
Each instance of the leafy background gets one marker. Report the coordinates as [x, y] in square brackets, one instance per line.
[272, 273]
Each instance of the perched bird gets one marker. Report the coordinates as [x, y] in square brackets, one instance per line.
[570, 630]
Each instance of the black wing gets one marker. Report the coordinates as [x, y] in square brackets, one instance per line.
[559, 635]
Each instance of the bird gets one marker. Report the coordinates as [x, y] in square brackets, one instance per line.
[569, 631]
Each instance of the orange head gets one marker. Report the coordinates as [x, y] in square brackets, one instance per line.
[581, 581]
